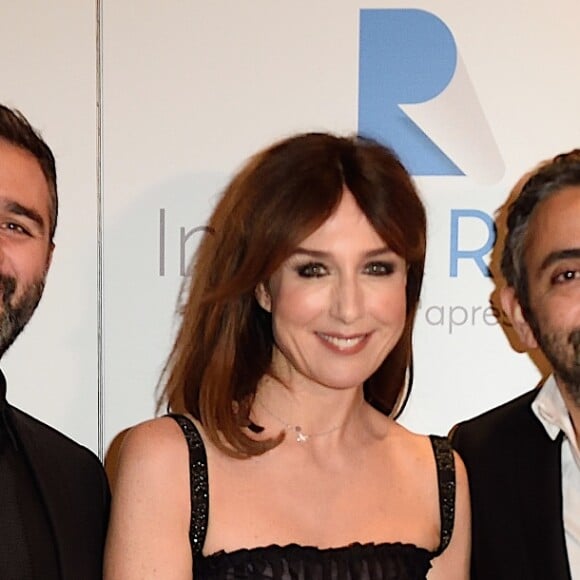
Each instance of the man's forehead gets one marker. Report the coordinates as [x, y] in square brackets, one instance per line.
[559, 205]
[22, 182]
[555, 224]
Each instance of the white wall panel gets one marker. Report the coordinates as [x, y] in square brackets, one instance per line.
[47, 59]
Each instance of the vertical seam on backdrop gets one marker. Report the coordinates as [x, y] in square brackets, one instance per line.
[100, 314]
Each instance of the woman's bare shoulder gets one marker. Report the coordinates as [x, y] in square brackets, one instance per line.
[410, 444]
[149, 522]
[417, 451]
[153, 457]
[422, 447]
[156, 440]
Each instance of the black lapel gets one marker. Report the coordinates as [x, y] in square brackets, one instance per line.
[539, 480]
[45, 465]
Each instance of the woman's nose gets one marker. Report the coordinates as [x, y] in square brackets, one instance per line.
[347, 300]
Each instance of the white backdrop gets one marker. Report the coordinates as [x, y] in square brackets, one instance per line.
[190, 89]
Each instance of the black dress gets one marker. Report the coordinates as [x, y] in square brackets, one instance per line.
[384, 561]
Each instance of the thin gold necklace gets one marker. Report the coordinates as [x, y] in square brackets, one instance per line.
[296, 430]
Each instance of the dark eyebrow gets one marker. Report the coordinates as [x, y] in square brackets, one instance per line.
[559, 255]
[18, 209]
[318, 254]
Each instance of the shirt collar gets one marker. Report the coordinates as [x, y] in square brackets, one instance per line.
[6, 430]
[550, 409]
[2, 391]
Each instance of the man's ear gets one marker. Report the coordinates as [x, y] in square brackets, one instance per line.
[50, 253]
[263, 297]
[512, 308]
[48, 258]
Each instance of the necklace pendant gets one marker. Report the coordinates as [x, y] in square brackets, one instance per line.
[301, 437]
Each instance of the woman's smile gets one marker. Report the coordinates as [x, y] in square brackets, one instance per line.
[352, 344]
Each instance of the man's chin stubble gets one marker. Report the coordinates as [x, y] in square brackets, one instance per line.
[14, 317]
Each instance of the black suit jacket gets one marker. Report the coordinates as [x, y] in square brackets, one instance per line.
[515, 481]
[74, 490]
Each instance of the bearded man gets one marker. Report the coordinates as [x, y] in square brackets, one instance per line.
[523, 458]
[54, 497]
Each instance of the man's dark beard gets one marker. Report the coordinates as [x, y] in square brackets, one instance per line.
[565, 361]
[14, 317]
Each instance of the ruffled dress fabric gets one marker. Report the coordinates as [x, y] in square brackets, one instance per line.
[383, 561]
[293, 562]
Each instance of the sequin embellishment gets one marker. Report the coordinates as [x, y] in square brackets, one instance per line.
[199, 483]
[446, 480]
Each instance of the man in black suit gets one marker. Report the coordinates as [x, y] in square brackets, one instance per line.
[523, 458]
[54, 497]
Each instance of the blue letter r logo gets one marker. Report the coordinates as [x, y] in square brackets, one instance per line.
[406, 57]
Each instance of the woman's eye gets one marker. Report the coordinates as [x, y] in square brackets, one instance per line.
[379, 268]
[311, 270]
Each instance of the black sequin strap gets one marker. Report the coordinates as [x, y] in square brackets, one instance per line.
[446, 481]
[198, 481]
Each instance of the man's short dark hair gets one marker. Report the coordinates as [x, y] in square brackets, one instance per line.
[16, 130]
[562, 171]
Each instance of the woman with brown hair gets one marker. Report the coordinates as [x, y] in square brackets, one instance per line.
[293, 356]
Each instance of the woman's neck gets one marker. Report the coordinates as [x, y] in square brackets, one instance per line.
[307, 411]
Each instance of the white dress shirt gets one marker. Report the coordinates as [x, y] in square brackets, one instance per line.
[551, 410]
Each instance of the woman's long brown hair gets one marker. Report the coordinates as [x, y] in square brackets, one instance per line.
[224, 344]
